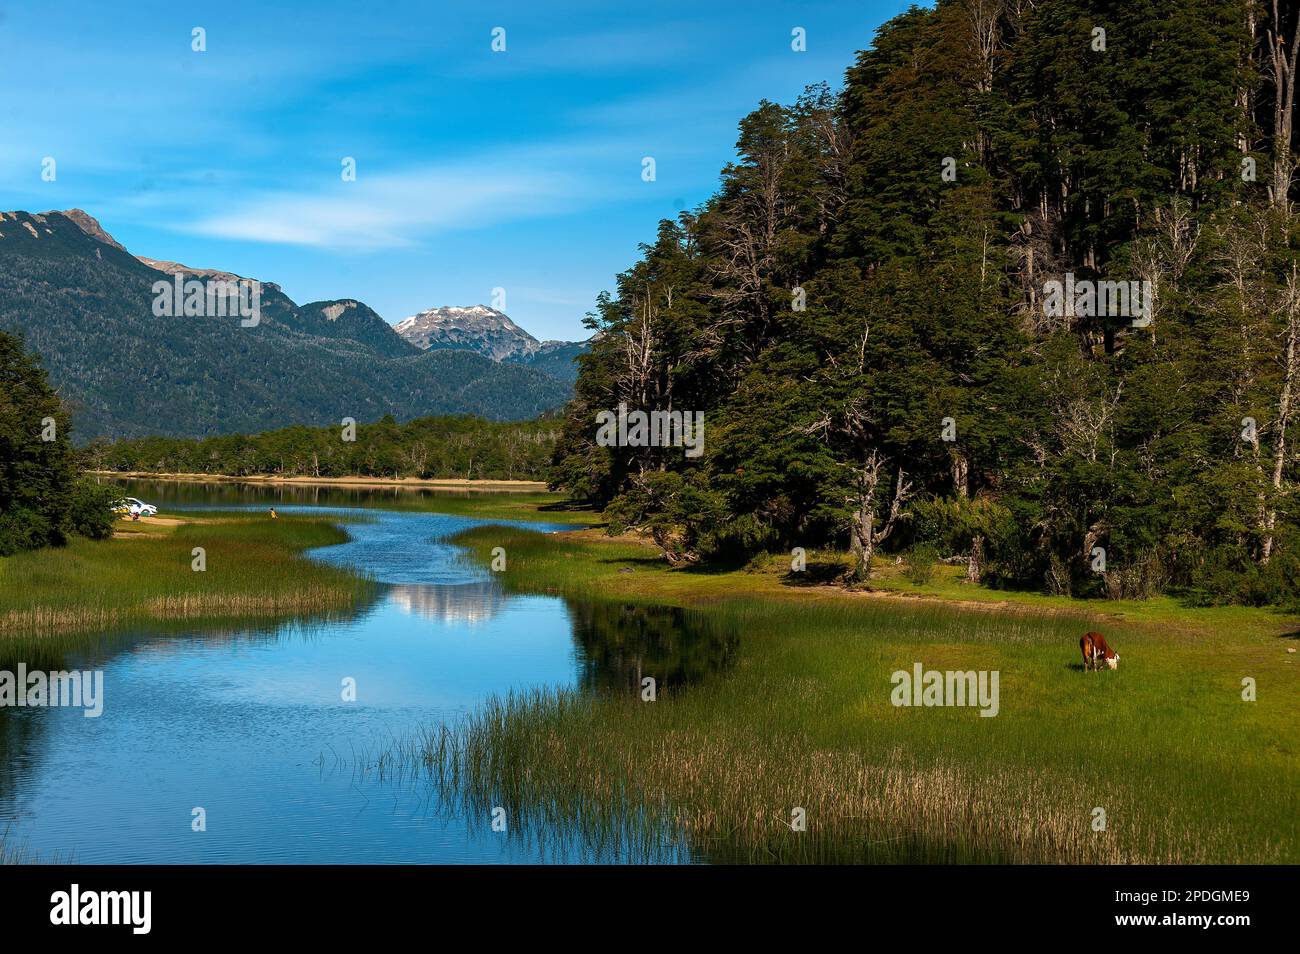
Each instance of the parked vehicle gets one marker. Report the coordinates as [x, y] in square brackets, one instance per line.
[135, 508]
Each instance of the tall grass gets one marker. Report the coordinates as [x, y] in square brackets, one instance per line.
[254, 569]
[1184, 769]
[13, 852]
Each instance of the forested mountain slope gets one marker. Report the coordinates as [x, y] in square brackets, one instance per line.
[85, 305]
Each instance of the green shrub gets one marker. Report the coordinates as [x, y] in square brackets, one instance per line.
[90, 509]
[920, 563]
[36, 460]
[22, 528]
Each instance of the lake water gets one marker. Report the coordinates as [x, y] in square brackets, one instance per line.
[250, 723]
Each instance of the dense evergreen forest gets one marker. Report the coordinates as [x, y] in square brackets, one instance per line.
[43, 499]
[464, 447]
[866, 314]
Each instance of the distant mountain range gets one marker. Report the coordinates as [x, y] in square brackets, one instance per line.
[86, 306]
[492, 334]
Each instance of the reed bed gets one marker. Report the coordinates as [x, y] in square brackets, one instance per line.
[15, 852]
[254, 569]
[11, 854]
[568, 768]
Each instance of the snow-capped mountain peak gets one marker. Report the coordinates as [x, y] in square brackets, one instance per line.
[475, 328]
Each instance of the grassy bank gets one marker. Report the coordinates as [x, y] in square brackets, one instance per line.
[589, 563]
[542, 507]
[1183, 768]
[484, 500]
[254, 569]
[448, 483]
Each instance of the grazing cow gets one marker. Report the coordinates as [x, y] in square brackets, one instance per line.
[1095, 649]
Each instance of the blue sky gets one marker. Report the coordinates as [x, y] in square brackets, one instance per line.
[476, 170]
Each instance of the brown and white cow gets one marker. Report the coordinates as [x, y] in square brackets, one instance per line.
[1095, 649]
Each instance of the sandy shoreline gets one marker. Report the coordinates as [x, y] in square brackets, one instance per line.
[447, 483]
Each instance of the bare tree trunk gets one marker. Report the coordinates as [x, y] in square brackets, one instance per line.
[1090, 538]
[985, 17]
[639, 348]
[865, 536]
[960, 473]
[1244, 98]
[1282, 64]
[975, 565]
[863, 529]
[1291, 306]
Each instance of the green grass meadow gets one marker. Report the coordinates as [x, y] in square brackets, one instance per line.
[1183, 768]
[55, 598]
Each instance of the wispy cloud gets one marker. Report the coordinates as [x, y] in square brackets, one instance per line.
[475, 169]
[391, 210]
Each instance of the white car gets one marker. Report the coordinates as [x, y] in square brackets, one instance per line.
[137, 508]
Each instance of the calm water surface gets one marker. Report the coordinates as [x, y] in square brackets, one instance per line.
[250, 725]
